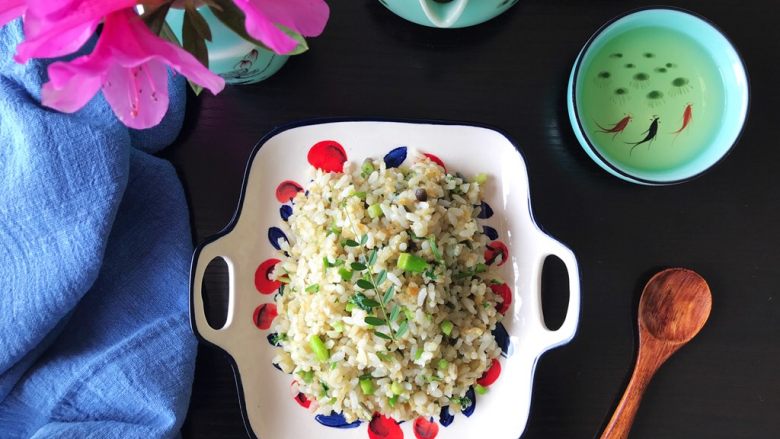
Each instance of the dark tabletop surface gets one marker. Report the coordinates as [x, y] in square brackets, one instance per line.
[511, 73]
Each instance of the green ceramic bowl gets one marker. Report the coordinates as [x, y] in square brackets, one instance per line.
[448, 13]
[658, 96]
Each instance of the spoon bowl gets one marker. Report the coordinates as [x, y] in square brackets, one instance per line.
[674, 306]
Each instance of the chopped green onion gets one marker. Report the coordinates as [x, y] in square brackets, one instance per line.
[367, 168]
[333, 365]
[307, 376]
[311, 289]
[335, 229]
[375, 211]
[480, 178]
[434, 248]
[349, 307]
[396, 388]
[443, 364]
[480, 268]
[408, 313]
[345, 273]
[392, 400]
[418, 354]
[367, 386]
[339, 326]
[332, 400]
[411, 263]
[361, 195]
[383, 356]
[326, 263]
[481, 390]
[318, 347]
[446, 327]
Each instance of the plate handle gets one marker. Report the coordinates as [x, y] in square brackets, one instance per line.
[200, 324]
[551, 247]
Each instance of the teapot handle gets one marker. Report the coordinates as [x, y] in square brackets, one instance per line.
[443, 15]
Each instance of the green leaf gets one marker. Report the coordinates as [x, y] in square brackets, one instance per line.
[366, 285]
[357, 266]
[351, 243]
[381, 278]
[395, 312]
[363, 302]
[374, 321]
[231, 16]
[155, 17]
[363, 239]
[388, 295]
[167, 34]
[372, 257]
[302, 45]
[382, 335]
[371, 303]
[198, 22]
[402, 328]
[194, 42]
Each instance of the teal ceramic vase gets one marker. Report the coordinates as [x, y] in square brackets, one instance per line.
[448, 13]
[236, 60]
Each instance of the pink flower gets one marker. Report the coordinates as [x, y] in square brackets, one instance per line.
[10, 9]
[129, 63]
[57, 28]
[307, 17]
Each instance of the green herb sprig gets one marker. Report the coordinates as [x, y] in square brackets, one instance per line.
[369, 283]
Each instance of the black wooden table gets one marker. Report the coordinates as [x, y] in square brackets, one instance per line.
[511, 73]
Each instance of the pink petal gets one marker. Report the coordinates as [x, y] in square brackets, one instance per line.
[54, 29]
[307, 17]
[71, 85]
[133, 44]
[138, 95]
[11, 9]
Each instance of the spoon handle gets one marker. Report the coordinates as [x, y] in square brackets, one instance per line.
[651, 356]
[620, 424]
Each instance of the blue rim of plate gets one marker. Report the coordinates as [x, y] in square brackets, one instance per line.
[627, 176]
[234, 220]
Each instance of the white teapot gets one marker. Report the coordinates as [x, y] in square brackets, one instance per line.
[448, 13]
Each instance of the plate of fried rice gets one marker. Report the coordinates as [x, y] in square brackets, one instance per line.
[384, 282]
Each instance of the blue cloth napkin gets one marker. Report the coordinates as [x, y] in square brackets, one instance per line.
[94, 266]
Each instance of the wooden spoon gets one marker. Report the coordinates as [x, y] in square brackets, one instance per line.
[674, 306]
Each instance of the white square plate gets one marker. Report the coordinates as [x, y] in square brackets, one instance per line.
[269, 409]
